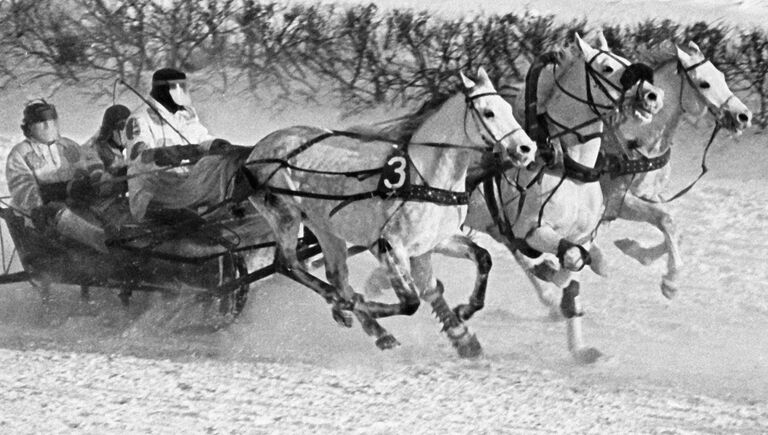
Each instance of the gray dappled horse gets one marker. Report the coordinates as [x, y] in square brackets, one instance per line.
[324, 179]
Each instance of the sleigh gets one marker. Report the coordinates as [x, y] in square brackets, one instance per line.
[172, 256]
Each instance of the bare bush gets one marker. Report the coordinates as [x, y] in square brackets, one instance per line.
[360, 55]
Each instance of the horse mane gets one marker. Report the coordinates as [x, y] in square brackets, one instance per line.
[402, 128]
[658, 55]
[546, 85]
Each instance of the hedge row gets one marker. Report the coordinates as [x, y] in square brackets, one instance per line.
[361, 55]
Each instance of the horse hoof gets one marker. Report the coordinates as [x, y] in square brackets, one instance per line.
[599, 264]
[587, 355]
[387, 342]
[463, 312]
[668, 289]
[343, 318]
[468, 346]
[633, 249]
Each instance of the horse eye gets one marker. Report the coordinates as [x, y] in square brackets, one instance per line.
[704, 85]
[488, 113]
[607, 69]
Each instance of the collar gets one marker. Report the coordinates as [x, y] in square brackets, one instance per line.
[39, 146]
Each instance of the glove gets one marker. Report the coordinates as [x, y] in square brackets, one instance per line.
[168, 156]
[172, 155]
[81, 188]
[44, 217]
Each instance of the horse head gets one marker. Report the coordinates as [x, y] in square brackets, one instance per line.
[705, 89]
[492, 122]
[598, 84]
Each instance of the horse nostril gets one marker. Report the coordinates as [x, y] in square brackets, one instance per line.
[525, 149]
[743, 117]
[651, 96]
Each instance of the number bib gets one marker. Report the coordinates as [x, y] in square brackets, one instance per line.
[396, 174]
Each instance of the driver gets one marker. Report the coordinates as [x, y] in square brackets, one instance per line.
[168, 125]
[45, 171]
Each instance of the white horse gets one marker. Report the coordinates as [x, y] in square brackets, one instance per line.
[549, 215]
[697, 90]
[334, 183]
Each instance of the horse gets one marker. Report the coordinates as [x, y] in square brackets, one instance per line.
[700, 92]
[397, 199]
[547, 215]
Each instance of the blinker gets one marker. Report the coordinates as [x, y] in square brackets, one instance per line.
[634, 73]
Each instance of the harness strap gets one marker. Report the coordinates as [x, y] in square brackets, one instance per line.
[575, 129]
[411, 192]
[500, 218]
[576, 171]
[616, 166]
[704, 170]
[360, 175]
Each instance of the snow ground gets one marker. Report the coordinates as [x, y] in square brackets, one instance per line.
[697, 364]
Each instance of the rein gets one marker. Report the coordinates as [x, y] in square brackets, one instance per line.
[405, 190]
[704, 170]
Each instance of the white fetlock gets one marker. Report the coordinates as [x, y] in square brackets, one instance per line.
[580, 352]
[456, 333]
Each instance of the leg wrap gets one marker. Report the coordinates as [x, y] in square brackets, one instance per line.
[568, 302]
[441, 309]
[484, 261]
[565, 245]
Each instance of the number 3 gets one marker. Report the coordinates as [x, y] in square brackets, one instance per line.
[397, 164]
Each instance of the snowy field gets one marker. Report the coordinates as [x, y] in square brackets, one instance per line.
[697, 364]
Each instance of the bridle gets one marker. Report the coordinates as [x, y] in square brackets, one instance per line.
[718, 112]
[491, 143]
[600, 110]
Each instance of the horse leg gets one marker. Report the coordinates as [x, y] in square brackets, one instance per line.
[461, 246]
[546, 240]
[337, 272]
[465, 343]
[285, 222]
[570, 306]
[547, 293]
[599, 264]
[397, 267]
[636, 209]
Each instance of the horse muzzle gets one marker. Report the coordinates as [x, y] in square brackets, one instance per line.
[736, 119]
[522, 153]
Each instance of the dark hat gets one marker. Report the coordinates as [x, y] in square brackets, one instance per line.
[166, 75]
[112, 118]
[39, 111]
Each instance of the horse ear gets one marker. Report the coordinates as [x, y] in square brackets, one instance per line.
[693, 47]
[602, 42]
[483, 76]
[684, 57]
[468, 84]
[586, 49]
